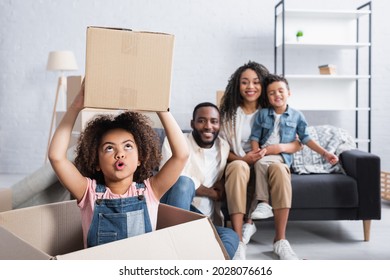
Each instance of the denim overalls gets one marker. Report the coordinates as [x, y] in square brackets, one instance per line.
[115, 219]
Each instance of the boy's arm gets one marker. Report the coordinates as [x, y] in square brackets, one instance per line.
[330, 157]
[288, 148]
[65, 170]
[171, 170]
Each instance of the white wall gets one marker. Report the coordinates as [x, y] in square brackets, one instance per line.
[213, 38]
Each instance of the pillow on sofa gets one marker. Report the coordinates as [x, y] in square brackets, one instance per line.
[333, 139]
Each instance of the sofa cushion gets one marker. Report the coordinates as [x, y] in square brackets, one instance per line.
[333, 139]
[324, 191]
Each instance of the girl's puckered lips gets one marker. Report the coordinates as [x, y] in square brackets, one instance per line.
[119, 165]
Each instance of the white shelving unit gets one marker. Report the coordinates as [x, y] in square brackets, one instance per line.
[338, 37]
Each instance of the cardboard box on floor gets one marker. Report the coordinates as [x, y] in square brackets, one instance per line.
[5, 199]
[53, 231]
[128, 69]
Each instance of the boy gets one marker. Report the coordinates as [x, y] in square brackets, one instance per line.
[278, 123]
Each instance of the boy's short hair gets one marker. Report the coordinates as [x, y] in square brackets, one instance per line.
[271, 78]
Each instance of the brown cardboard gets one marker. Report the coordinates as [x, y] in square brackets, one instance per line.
[327, 69]
[219, 96]
[128, 69]
[5, 199]
[73, 85]
[49, 229]
[53, 231]
[15, 248]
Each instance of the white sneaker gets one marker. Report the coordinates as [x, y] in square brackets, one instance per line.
[241, 252]
[262, 211]
[248, 230]
[283, 249]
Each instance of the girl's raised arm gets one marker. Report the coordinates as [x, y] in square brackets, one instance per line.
[171, 170]
[65, 170]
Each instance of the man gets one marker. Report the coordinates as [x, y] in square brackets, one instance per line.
[200, 188]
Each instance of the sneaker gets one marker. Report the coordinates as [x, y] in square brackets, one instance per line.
[241, 252]
[262, 211]
[283, 249]
[248, 230]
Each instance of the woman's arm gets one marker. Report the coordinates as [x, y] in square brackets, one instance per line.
[65, 170]
[171, 170]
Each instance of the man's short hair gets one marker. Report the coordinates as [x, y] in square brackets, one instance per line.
[204, 104]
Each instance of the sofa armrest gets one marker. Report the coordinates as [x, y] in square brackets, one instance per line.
[365, 168]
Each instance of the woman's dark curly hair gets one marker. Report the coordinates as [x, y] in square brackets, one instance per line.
[138, 125]
[232, 98]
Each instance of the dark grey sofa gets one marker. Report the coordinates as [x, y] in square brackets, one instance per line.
[354, 196]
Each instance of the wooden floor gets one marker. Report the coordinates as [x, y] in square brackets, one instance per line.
[327, 240]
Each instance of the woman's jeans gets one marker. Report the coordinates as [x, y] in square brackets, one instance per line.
[181, 195]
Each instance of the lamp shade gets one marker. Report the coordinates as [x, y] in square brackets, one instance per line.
[61, 61]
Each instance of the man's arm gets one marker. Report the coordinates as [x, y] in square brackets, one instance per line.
[216, 192]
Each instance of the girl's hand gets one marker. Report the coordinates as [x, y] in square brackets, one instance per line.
[78, 102]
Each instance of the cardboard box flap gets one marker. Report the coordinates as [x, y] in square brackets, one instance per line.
[112, 28]
[164, 244]
[52, 228]
[11, 246]
[169, 216]
[129, 29]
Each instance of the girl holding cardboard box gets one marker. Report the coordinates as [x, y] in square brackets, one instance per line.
[112, 174]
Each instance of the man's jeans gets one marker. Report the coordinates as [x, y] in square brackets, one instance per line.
[181, 194]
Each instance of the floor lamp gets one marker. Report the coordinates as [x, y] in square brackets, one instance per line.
[59, 61]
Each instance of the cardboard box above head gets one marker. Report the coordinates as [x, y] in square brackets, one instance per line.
[128, 69]
[53, 231]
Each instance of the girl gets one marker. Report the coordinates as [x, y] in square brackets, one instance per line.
[111, 178]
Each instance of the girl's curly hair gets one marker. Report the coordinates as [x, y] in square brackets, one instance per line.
[138, 125]
[232, 98]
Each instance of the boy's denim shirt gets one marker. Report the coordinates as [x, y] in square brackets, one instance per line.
[292, 123]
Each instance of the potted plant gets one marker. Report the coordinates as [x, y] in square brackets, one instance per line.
[299, 35]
